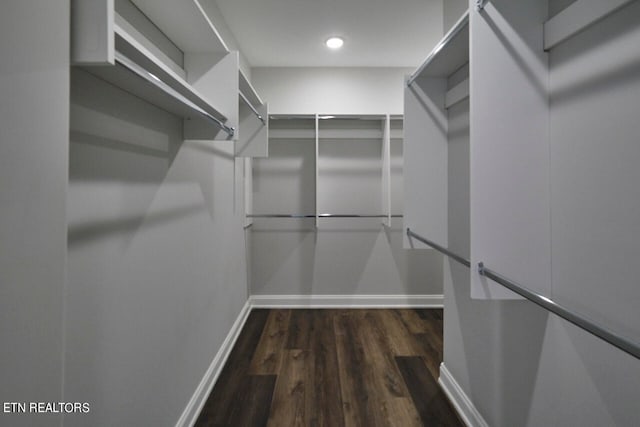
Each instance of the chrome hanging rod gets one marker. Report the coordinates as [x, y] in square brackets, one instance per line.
[601, 332]
[258, 115]
[459, 26]
[324, 215]
[328, 215]
[155, 81]
[439, 248]
[280, 216]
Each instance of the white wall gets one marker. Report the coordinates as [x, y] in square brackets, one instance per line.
[348, 257]
[518, 364]
[34, 115]
[156, 258]
[331, 90]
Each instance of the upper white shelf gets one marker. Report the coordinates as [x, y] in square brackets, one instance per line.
[247, 89]
[185, 23]
[123, 57]
[577, 17]
[299, 134]
[361, 133]
[457, 94]
[451, 53]
[128, 46]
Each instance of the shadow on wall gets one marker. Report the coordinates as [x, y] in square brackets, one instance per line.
[344, 249]
[343, 257]
[500, 350]
[523, 53]
[94, 230]
[156, 273]
[419, 269]
[282, 251]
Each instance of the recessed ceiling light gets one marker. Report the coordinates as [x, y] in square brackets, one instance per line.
[334, 42]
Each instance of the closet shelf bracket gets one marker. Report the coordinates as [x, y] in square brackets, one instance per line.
[480, 4]
[252, 108]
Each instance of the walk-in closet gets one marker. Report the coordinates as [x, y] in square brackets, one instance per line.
[284, 213]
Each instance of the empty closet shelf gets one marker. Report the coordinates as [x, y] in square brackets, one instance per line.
[140, 73]
[451, 53]
[134, 79]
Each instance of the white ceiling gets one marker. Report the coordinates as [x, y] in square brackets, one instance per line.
[291, 33]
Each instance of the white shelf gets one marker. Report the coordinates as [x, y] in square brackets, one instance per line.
[292, 133]
[457, 94]
[135, 51]
[396, 134]
[332, 133]
[335, 134]
[577, 17]
[125, 61]
[185, 23]
[451, 53]
[182, 99]
[300, 127]
[248, 90]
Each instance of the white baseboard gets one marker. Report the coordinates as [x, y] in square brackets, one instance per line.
[459, 399]
[346, 301]
[191, 412]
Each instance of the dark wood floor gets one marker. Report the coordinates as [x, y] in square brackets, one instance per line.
[333, 368]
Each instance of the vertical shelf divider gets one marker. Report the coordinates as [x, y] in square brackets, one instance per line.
[317, 134]
[386, 168]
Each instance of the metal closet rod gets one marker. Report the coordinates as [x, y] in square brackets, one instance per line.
[258, 115]
[601, 332]
[323, 215]
[439, 248]
[459, 26]
[139, 71]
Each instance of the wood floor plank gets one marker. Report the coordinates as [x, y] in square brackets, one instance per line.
[428, 398]
[428, 313]
[432, 354]
[389, 390]
[433, 326]
[251, 409]
[288, 405]
[324, 395]
[268, 354]
[412, 321]
[400, 411]
[434, 323]
[223, 397]
[380, 351]
[358, 389]
[301, 329]
[402, 341]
